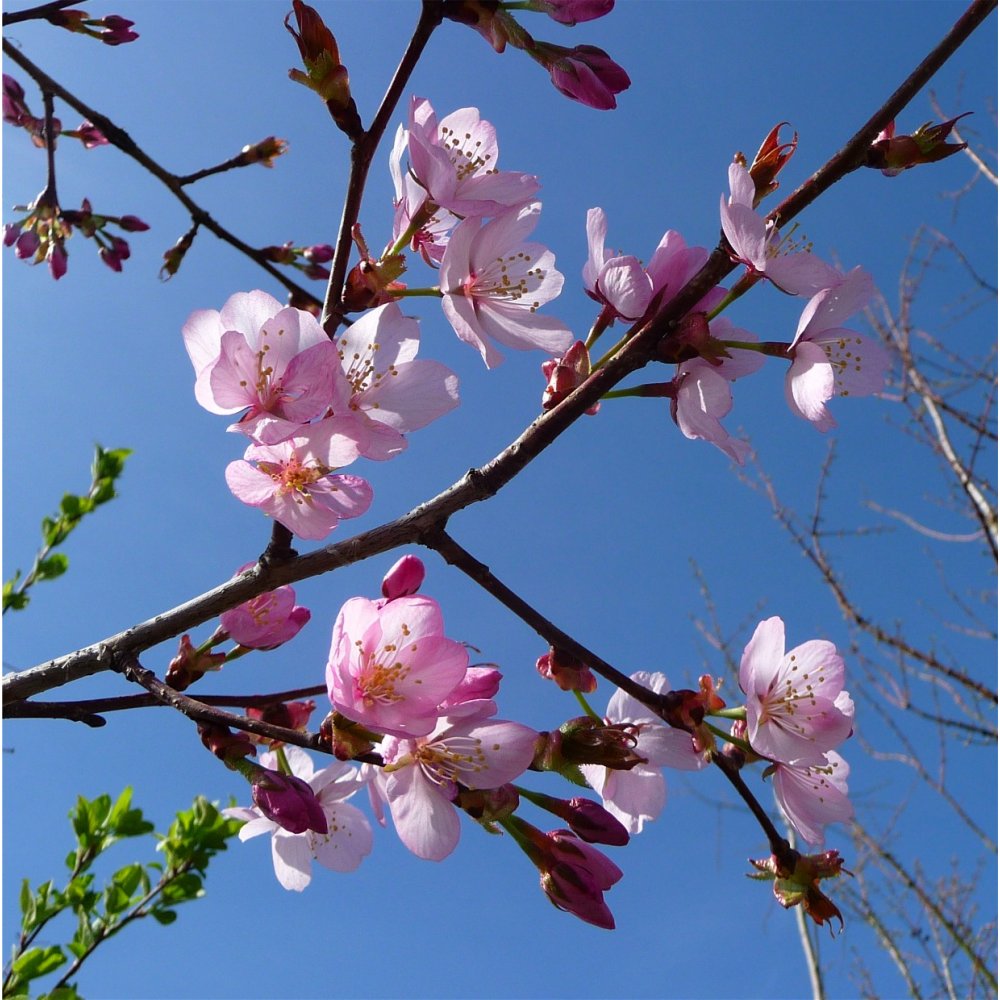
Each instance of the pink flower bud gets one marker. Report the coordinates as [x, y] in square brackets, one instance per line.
[288, 714]
[116, 30]
[57, 258]
[404, 579]
[90, 135]
[132, 224]
[572, 12]
[575, 877]
[320, 253]
[191, 663]
[565, 374]
[26, 245]
[288, 801]
[586, 74]
[568, 672]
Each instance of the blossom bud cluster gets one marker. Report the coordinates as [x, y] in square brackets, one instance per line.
[111, 29]
[42, 233]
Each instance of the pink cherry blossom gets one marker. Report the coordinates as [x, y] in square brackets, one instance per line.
[455, 162]
[703, 395]
[758, 244]
[797, 708]
[274, 362]
[639, 794]
[831, 362]
[810, 796]
[618, 282]
[293, 483]
[385, 391]
[265, 621]
[493, 284]
[348, 840]
[391, 665]
[422, 776]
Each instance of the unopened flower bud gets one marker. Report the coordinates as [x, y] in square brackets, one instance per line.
[132, 224]
[488, 806]
[570, 12]
[567, 671]
[264, 152]
[287, 714]
[564, 374]
[585, 73]
[191, 663]
[174, 257]
[345, 738]
[287, 801]
[893, 154]
[228, 747]
[403, 579]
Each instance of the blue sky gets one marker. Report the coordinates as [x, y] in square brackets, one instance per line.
[605, 533]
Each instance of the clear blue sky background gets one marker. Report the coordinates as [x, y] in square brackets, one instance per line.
[601, 533]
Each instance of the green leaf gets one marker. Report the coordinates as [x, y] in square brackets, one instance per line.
[109, 464]
[70, 506]
[37, 962]
[55, 565]
[62, 993]
[164, 916]
[125, 821]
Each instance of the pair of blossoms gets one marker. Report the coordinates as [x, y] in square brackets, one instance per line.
[827, 361]
[400, 687]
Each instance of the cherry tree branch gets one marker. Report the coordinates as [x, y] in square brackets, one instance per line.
[362, 154]
[484, 482]
[119, 138]
[36, 13]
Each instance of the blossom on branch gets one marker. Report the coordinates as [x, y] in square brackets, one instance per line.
[274, 362]
[293, 482]
[639, 794]
[812, 795]
[385, 392]
[493, 284]
[266, 621]
[797, 708]
[347, 840]
[391, 666]
[828, 361]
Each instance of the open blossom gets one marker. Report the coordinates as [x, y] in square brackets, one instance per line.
[455, 162]
[812, 795]
[797, 709]
[703, 395]
[422, 776]
[493, 284]
[293, 482]
[391, 665]
[829, 361]
[386, 392]
[639, 794]
[348, 837]
[757, 244]
[273, 361]
[267, 620]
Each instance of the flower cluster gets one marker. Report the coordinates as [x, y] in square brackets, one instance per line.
[111, 29]
[311, 405]
[461, 213]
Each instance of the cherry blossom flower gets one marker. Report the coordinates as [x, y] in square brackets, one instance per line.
[390, 666]
[831, 362]
[757, 244]
[493, 284]
[386, 392]
[618, 282]
[274, 362]
[703, 395]
[266, 621]
[810, 796]
[455, 162]
[293, 482]
[797, 708]
[347, 841]
[422, 776]
[639, 794]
